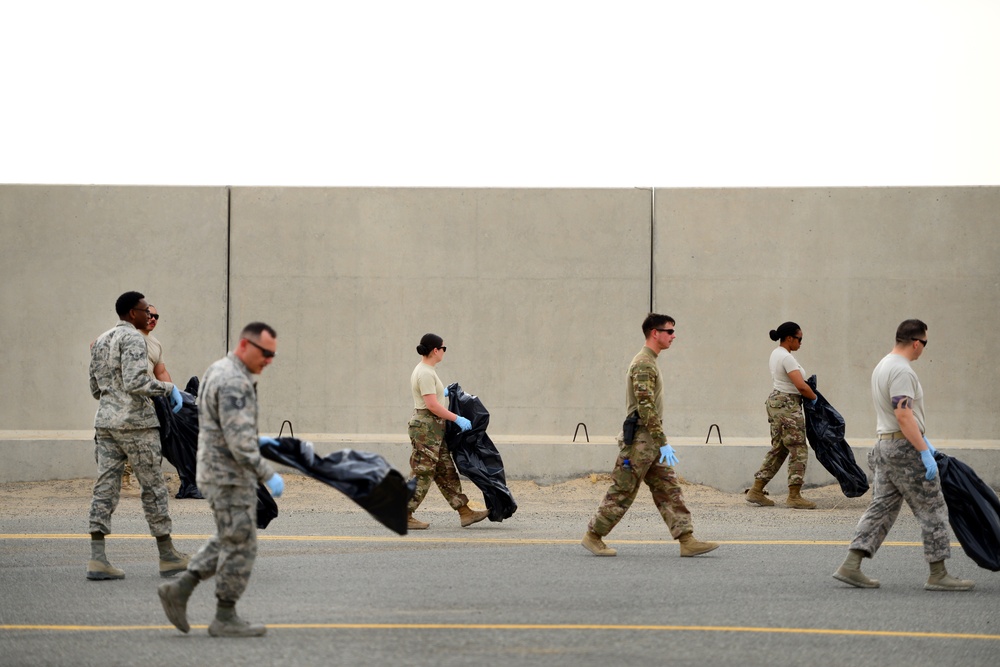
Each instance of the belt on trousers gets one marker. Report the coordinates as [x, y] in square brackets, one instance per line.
[895, 435]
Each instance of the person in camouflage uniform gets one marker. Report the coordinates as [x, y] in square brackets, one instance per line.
[904, 466]
[126, 431]
[430, 461]
[648, 458]
[229, 469]
[788, 423]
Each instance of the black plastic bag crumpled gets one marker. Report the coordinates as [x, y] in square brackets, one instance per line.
[825, 430]
[364, 477]
[179, 437]
[476, 456]
[973, 511]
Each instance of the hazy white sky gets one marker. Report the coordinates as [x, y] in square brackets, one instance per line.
[535, 93]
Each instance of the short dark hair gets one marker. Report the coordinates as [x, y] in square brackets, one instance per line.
[255, 329]
[428, 343]
[784, 331]
[910, 329]
[655, 321]
[127, 302]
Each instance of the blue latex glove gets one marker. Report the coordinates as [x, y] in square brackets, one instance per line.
[176, 402]
[814, 401]
[929, 445]
[267, 441]
[463, 423]
[929, 463]
[275, 485]
[446, 392]
[667, 455]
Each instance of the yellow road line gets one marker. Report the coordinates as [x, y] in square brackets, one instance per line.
[443, 540]
[528, 627]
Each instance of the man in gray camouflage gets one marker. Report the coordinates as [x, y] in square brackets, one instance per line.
[229, 468]
[904, 466]
[648, 458]
[126, 431]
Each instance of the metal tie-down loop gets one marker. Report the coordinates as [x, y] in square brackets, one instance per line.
[716, 427]
[584, 431]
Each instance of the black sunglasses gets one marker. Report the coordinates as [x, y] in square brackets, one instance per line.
[921, 341]
[443, 348]
[154, 316]
[667, 331]
[268, 354]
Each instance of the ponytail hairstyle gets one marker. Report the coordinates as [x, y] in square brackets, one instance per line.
[784, 331]
[428, 343]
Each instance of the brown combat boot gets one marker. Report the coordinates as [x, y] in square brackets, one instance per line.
[228, 624]
[850, 572]
[796, 501]
[469, 516]
[692, 547]
[756, 495]
[940, 580]
[172, 561]
[98, 567]
[174, 598]
[593, 543]
[415, 524]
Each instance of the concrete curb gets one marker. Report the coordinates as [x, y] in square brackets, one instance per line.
[32, 456]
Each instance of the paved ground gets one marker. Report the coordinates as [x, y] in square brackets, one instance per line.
[335, 587]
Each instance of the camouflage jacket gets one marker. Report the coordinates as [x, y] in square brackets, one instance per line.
[644, 392]
[228, 449]
[120, 381]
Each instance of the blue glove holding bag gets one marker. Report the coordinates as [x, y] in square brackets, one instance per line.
[176, 402]
[267, 441]
[927, 458]
[667, 455]
[929, 445]
[275, 484]
[463, 423]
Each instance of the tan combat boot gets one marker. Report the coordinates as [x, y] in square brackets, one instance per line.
[174, 598]
[593, 543]
[692, 547]
[796, 501]
[469, 516]
[940, 580]
[228, 624]
[756, 496]
[98, 567]
[172, 561]
[850, 572]
[415, 524]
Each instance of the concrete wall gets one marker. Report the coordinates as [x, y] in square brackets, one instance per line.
[537, 293]
[848, 265]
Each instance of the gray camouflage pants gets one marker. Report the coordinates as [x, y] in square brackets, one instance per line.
[899, 476]
[231, 552]
[113, 447]
[431, 461]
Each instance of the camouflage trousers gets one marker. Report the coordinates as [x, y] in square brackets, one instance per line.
[788, 438]
[643, 456]
[231, 552]
[141, 447]
[899, 476]
[431, 461]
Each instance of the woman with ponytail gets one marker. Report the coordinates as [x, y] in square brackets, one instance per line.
[788, 424]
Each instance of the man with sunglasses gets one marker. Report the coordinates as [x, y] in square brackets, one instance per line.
[126, 431]
[904, 466]
[647, 457]
[229, 468]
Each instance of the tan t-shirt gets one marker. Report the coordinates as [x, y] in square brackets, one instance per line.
[154, 352]
[424, 380]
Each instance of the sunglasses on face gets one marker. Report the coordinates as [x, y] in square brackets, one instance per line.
[443, 348]
[922, 342]
[669, 332]
[154, 316]
[268, 354]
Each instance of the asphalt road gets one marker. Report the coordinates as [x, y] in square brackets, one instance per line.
[336, 588]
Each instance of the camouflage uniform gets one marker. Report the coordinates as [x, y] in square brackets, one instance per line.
[229, 468]
[644, 392]
[126, 428]
[431, 461]
[899, 476]
[788, 438]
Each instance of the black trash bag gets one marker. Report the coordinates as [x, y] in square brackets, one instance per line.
[973, 511]
[825, 431]
[267, 509]
[179, 437]
[476, 456]
[364, 477]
